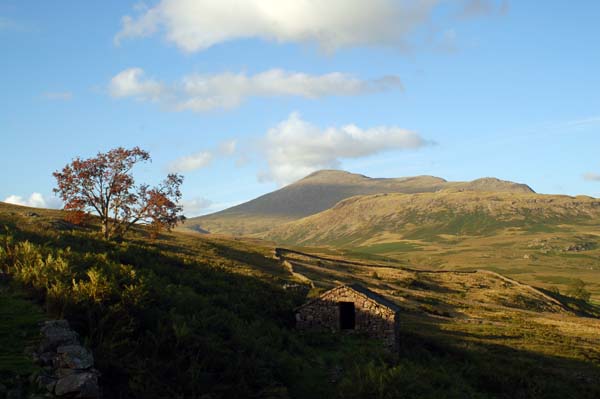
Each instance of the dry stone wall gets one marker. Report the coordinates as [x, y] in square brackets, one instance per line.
[67, 366]
[371, 317]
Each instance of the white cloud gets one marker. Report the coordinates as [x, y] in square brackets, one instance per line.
[591, 176]
[7, 24]
[131, 83]
[296, 148]
[228, 147]
[202, 93]
[35, 200]
[196, 206]
[195, 25]
[191, 162]
[58, 95]
[202, 159]
[590, 121]
[476, 8]
[448, 42]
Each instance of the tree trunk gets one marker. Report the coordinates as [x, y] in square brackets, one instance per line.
[105, 229]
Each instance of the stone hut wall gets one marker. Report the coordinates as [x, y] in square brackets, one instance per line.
[371, 317]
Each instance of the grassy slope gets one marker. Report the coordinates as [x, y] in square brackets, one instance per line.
[177, 317]
[475, 302]
[322, 190]
[189, 315]
[521, 235]
[19, 329]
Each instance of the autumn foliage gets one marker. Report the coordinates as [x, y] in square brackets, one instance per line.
[105, 185]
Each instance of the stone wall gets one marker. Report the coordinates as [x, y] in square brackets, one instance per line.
[67, 368]
[371, 317]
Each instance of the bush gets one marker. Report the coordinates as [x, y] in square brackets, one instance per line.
[577, 290]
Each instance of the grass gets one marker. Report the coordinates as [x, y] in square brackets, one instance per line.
[473, 335]
[524, 235]
[389, 247]
[173, 317]
[518, 254]
[189, 315]
[563, 280]
[19, 329]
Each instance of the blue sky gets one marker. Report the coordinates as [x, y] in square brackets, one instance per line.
[243, 97]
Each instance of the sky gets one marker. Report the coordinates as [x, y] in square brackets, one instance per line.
[245, 96]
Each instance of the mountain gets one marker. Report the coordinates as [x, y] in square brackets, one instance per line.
[434, 216]
[322, 190]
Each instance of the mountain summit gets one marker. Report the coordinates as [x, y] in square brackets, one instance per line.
[323, 189]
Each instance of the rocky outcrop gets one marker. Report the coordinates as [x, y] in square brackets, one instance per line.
[584, 246]
[68, 367]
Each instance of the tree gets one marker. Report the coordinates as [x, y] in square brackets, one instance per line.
[104, 185]
[577, 290]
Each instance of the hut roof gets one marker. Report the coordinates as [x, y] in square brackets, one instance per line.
[361, 289]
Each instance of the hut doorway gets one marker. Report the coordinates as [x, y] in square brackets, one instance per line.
[347, 316]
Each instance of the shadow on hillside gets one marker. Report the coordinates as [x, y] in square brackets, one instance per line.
[498, 369]
[266, 264]
[578, 306]
[172, 327]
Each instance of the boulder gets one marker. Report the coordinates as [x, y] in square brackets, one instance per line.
[74, 357]
[54, 324]
[82, 385]
[46, 382]
[57, 333]
[45, 359]
[61, 372]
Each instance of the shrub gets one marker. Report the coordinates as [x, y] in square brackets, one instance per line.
[577, 290]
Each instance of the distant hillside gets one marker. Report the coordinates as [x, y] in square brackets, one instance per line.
[322, 190]
[431, 216]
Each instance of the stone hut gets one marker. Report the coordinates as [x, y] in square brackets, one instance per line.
[349, 308]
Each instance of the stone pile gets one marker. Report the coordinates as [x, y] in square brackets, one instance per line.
[68, 367]
[585, 246]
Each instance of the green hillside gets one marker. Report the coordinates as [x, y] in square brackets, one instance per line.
[542, 239]
[195, 316]
[322, 190]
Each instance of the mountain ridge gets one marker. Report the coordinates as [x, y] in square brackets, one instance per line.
[359, 219]
[323, 189]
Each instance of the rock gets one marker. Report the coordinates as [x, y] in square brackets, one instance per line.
[55, 324]
[46, 358]
[61, 372]
[74, 357]
[585, 246]
[64, 225]
[83, 385]
[57, 333]
[46, 382]
[67, 364]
